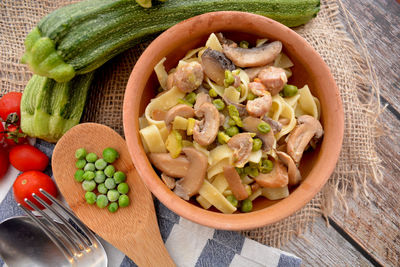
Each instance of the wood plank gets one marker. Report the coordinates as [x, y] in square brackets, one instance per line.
[375, 223]
[324, 246]
[379, 22]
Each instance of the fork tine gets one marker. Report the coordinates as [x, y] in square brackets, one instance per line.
[68, 254]
[79, 245]
[75, 249]
[86, 231]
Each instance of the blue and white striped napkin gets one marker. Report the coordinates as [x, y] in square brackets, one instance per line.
[188, 243]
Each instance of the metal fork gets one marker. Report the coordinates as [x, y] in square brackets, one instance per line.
[78, 244]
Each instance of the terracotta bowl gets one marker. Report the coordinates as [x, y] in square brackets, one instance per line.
[309, 68]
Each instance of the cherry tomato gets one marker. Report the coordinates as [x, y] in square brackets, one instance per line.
[10, 103]
[28, 158]
[30, 182]
[1, 133]
[3, 161]
[14, 135]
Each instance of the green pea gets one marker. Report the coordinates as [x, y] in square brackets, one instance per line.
[101, 201]
[191, 97]
[232, 199]
[79, 175]
[257, 144]
[89, 185]
[90, 197]
[89, 167]
[109, 171]
[223, 138]
[233, 112]
[238, 121]
[80, 163]
[231, 131]
[123, 188]
[264, 127]
[244, 44]
[266, 166]
[212, 92]
[229, 78]
[289, 90]
[88, 175]
[113, 207]
[231, 122]
[91, 157]
[248, 189]
[112, 195]
[123, 201]
[100, 164]
[80, 153]
[102, 188]
[219, 104]
[119, 177]
[247, 205]
[110, 155]
[110, 183]
[100, 177]
[251, 171]
[250, 96]
[185, 102]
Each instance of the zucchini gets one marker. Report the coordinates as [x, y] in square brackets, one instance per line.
[49, 109]
[80, 37]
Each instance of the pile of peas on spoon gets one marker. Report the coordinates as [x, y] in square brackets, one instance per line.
[103, 184]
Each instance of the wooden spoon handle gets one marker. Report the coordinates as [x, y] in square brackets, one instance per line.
[148, 249]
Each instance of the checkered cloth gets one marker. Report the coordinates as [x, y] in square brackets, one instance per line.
[188, 243]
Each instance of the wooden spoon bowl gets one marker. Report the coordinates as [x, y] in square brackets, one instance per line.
[132, 229]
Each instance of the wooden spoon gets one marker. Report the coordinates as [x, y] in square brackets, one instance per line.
[132, 229]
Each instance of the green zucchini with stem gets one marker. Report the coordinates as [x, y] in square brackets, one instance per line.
[49, 109]
[80, 37]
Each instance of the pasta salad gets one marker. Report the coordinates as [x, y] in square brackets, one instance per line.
[227, 127]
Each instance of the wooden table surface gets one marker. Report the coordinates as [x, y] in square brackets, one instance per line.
[370, 233]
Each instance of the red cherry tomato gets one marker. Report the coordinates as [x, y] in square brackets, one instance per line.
[30, 182]
[1, 133]
[28, 158]
[10, 103]
[3, 162]
[14, 135]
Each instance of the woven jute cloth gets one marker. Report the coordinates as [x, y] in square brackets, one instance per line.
[358, 86]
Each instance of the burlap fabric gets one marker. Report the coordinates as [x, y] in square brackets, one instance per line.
[358, 160]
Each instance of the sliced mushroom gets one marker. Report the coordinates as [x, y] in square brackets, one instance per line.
[235, 183]
[253, 72]
[240, 107]
[201, 99]
[257, 88]
[190, 184]
[188, 76]
[253, 57]
[177, 167]
[206, 130]
[250, 124]
[293, 171]
[214, 64]
[223, 40]
[273, 78]
[241, 144]
[276, 126]
[221, 119]
[168, 181]
[308, 128]
[278, 177]
[179, 110]
[259, 106]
